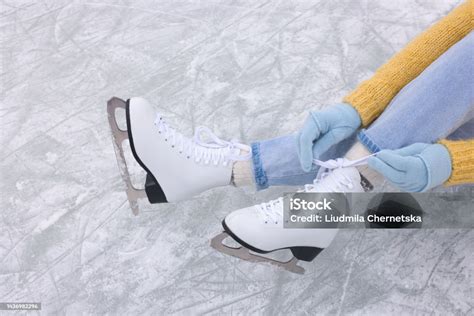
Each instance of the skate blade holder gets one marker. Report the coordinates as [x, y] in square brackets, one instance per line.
[245, 254]
[119, 136]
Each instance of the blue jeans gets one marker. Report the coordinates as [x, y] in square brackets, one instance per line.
[437, 104]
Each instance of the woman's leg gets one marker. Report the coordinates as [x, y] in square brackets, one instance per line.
[431, 107]
[276, 162]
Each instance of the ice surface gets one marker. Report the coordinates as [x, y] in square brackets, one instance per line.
[249, 70]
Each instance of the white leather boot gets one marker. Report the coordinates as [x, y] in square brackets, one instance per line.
[260, 228]
[183, 167]
[178, 167]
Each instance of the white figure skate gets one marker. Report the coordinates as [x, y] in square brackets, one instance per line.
[177, 167]
[259, 228]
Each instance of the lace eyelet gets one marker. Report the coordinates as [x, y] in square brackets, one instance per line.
[188, 157]
[266, 222]
[172, 146]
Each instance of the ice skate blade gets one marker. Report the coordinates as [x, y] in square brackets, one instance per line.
[245, 254]
[119, 136]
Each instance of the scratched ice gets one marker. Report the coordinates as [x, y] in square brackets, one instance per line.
[245, 69]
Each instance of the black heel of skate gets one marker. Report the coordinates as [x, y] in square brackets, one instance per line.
[305, 253]
[153, 190]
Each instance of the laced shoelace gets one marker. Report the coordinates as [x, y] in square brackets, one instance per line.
[341, 179]
[272, 212]
[215, 150]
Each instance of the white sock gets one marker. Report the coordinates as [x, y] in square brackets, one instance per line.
[358, 151]
[242, 173]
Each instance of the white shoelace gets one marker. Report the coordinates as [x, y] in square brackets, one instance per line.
[272, 210]
[215, 151]
[329, 165]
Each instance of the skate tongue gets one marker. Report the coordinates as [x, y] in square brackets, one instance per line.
[329, 181]
[244, 153]
[350, 172]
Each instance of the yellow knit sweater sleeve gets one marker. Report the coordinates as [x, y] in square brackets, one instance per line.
[372, 96]
[462, 160]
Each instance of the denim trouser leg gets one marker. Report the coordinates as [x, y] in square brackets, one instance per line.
[276, 161]
[431, 107]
